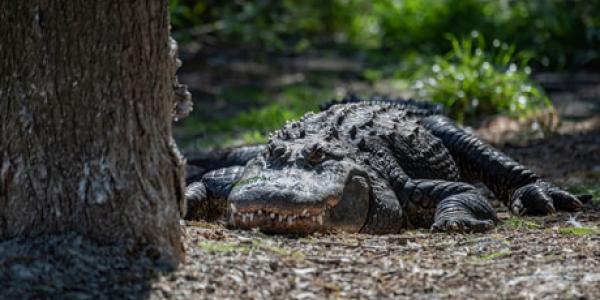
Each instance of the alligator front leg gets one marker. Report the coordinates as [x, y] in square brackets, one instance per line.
[207, 198]
[517, 186]
[453, 206]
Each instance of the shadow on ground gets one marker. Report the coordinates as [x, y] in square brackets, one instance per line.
[71, 267]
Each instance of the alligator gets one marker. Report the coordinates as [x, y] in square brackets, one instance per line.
[373, 166]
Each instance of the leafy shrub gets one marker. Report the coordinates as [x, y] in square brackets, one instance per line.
[272, 25]
[557, 33]
[422, 25]
[472, 82]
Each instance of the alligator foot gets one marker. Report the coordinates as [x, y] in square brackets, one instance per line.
[464, 213]
[542, 198]
[461, 224]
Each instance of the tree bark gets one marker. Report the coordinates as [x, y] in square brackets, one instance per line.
[86, 103]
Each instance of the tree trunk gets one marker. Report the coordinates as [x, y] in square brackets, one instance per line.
[86, 103]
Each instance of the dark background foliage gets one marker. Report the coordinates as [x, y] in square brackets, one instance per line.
[255, 64]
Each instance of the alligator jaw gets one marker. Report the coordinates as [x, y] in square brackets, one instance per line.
[345, 210]
[305, 221]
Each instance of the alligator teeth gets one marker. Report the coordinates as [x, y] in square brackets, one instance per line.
[249, 216]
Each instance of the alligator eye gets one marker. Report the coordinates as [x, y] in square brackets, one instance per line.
[278, 151]
[275, 151]
[316, 154]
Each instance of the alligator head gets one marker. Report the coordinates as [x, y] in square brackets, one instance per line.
[301, 186]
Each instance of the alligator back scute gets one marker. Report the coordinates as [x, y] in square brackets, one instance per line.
[411, 106]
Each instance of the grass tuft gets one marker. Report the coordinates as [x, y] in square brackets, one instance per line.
[258, 244]
[519, 223]
[222, 247]
[496, 255]
[578, 231]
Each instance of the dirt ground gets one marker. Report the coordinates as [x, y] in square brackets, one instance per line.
[523, 258]
[510, 262]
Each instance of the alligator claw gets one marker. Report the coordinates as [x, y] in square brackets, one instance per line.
[464, 225]
[543, 198]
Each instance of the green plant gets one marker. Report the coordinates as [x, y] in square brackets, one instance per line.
[556, 33]
[222, 247]
[578, 231]
[472, 82]
[266, 245]
[280, 25]
[496, 255]
[515, 222]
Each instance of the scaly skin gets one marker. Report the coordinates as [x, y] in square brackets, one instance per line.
[366, 166]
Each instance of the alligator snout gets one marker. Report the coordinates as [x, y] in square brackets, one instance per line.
[295, 200]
